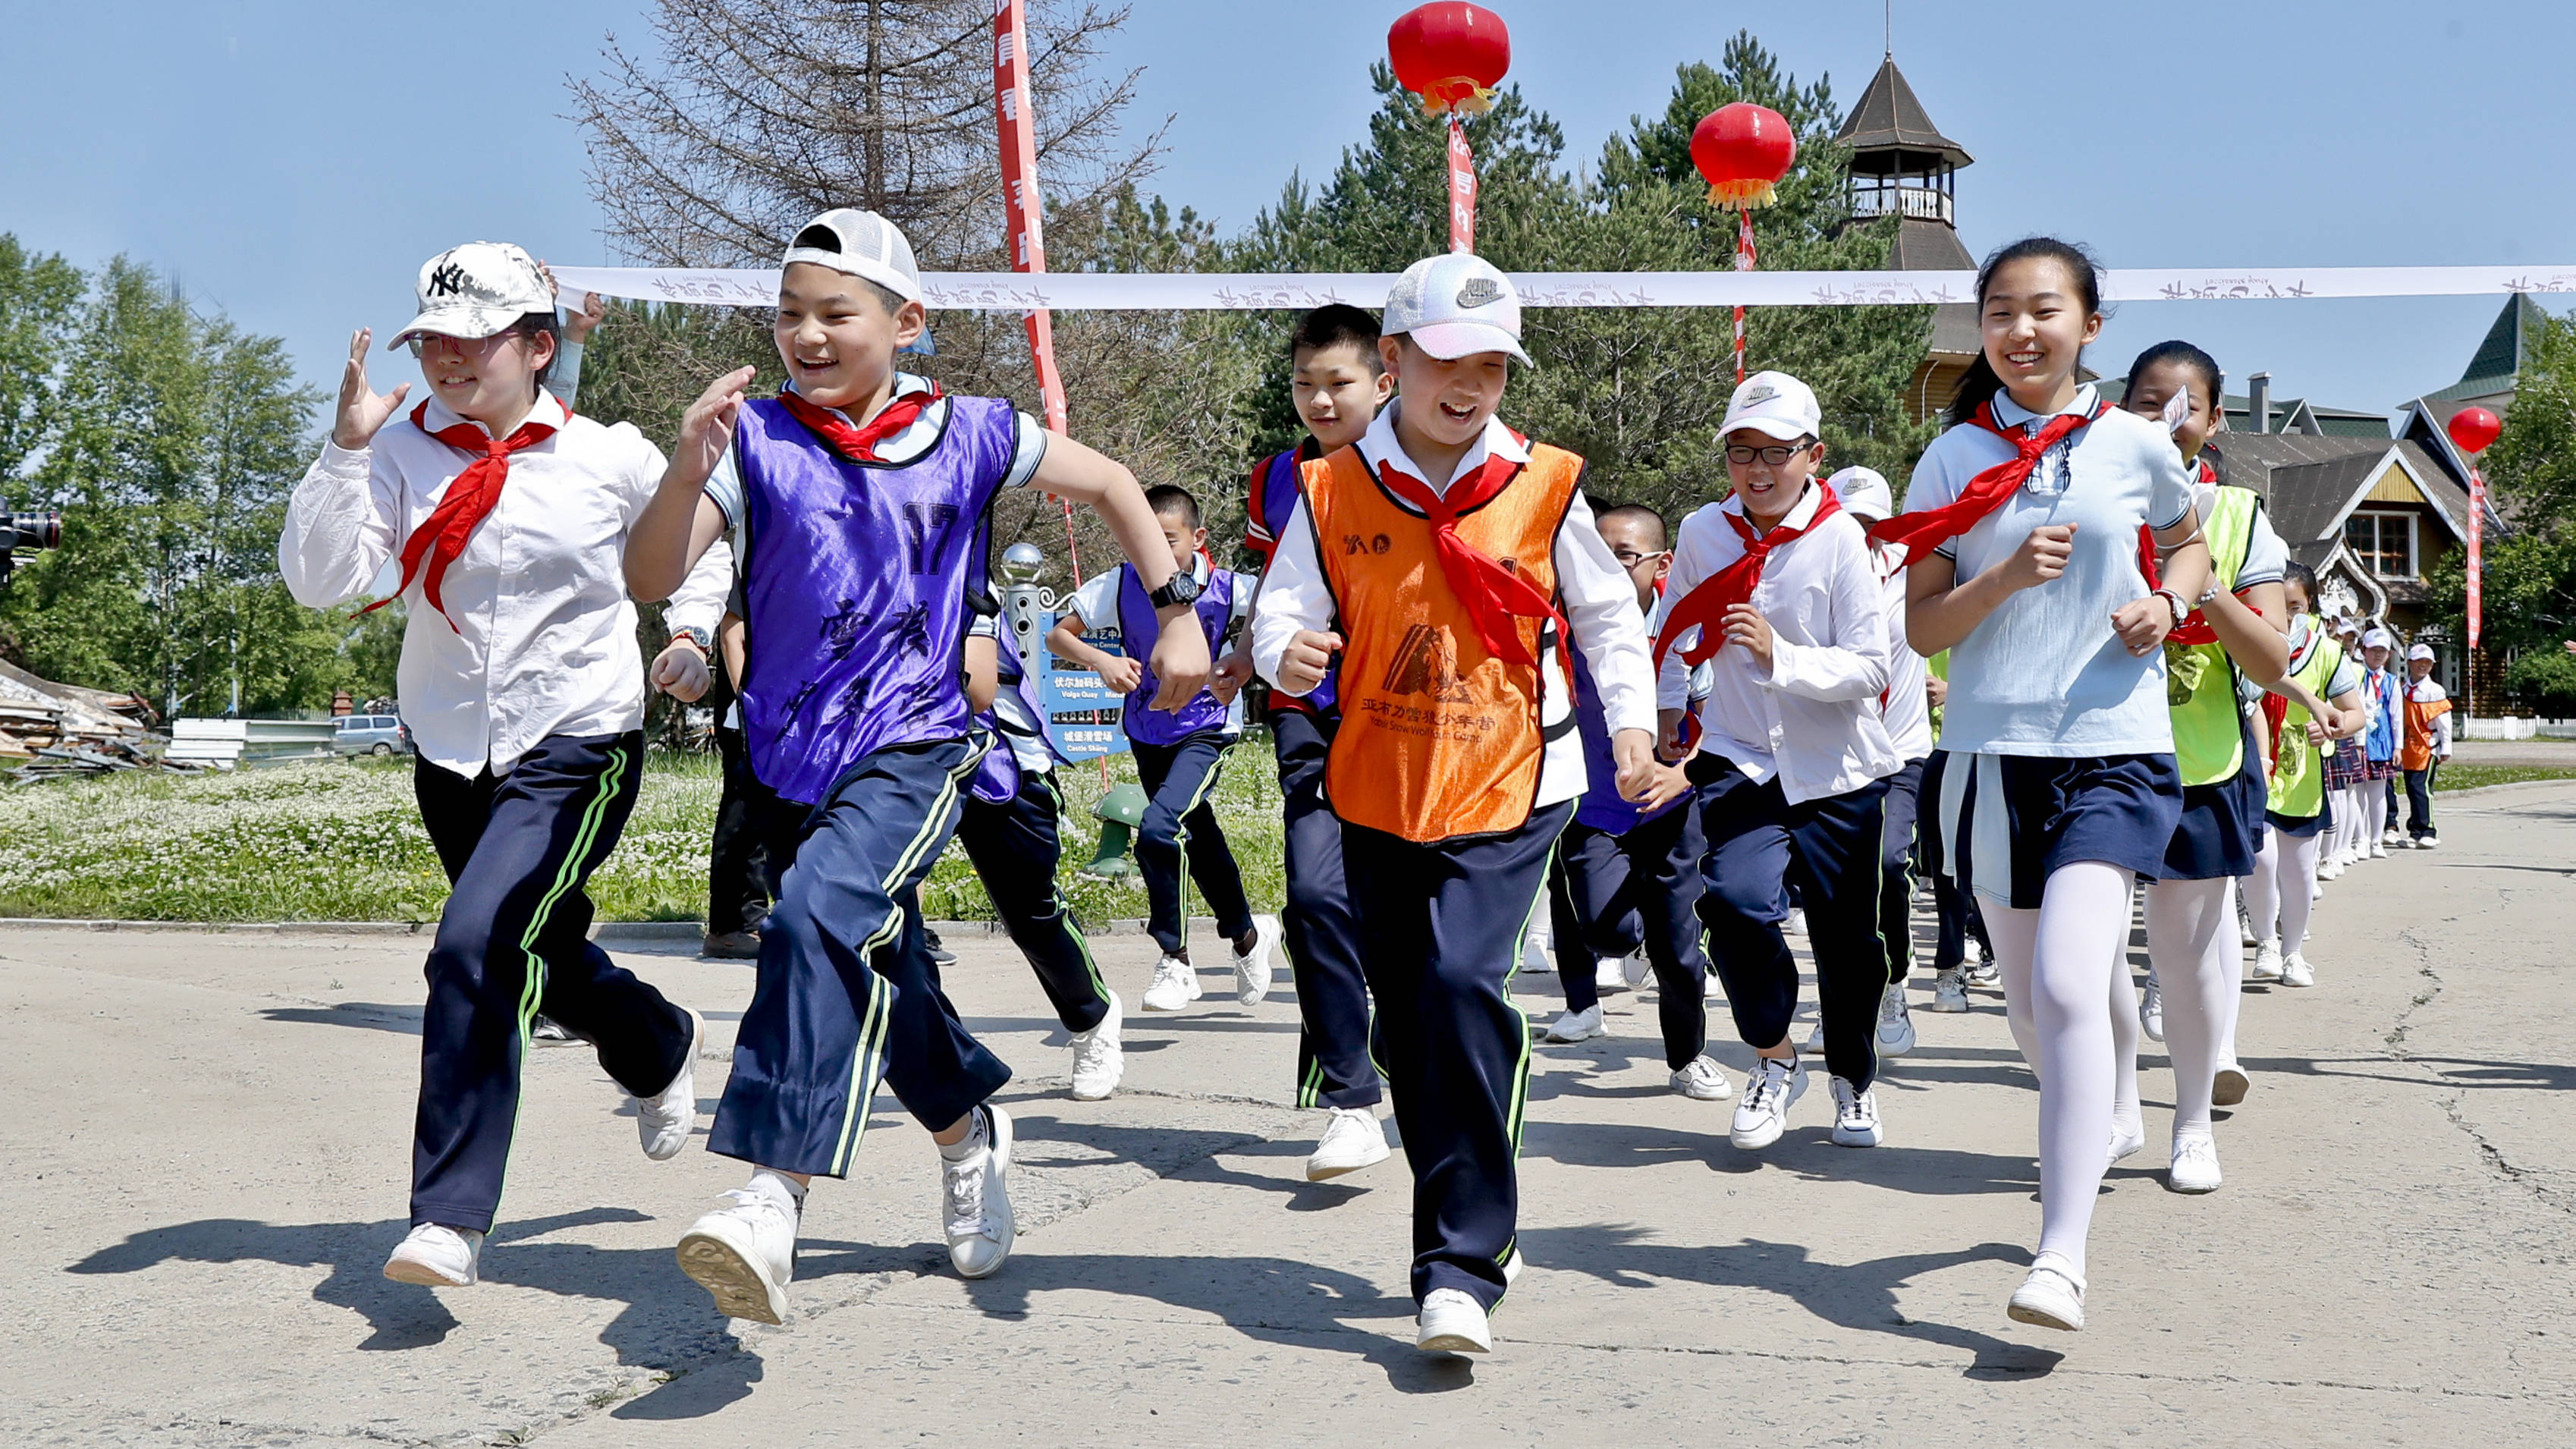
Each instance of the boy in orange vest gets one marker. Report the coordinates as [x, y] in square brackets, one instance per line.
[1453, 566]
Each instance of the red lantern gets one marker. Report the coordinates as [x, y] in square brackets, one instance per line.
[2474, 429]
[1451, 54]
[1743, 150]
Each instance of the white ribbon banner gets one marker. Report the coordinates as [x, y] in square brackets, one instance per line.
[1252, 291]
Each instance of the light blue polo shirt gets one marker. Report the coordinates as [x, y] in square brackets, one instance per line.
[2044, 674]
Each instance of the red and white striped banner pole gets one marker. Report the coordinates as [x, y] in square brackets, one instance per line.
[1462, 189]
[1744, 259]
[1013, 112]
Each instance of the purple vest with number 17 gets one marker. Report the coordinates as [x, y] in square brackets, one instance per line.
[855, 589]
[1138, 631]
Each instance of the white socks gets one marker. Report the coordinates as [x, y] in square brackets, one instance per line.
[973, 1142]
[2191, 936]
[786, 1191]
[2060, 960]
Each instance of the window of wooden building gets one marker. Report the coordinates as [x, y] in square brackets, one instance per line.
[2385, 542]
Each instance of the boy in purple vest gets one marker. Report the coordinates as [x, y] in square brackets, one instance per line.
[1338, 382]
[1178, 754]
[857, 502]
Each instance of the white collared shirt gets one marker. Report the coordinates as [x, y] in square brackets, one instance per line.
[1597, 596]
[1908, 710]
[543, 639]
[1814, 720]
[1096, 604]
[724, 483]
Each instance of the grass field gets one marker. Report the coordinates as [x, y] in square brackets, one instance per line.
[342, 842]
[2470, 777]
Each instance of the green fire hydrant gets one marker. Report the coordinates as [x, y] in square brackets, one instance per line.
[1121, 812]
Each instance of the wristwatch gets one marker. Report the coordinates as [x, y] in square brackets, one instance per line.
[697, 636]
[2181, 610]
[1180, 588]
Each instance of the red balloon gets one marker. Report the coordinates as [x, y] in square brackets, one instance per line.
[1743, 149]
[1451, 54]
[2474, 429]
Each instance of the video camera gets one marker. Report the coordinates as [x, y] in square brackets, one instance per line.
[27, 531]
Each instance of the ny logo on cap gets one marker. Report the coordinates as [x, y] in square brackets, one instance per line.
[1479, 292]
[447, 280]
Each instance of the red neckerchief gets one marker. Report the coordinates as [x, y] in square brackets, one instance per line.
[1706, 604]
[2195, 628]
[1923, 532]
[859, 445]
[1496, 596]
[469, 499]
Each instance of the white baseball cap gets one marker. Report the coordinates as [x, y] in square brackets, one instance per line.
[1455, 305]
[1863, 491]
[2378, 639]
[476, 290]
[861, 244]
[2420, 651]
[1775, 405]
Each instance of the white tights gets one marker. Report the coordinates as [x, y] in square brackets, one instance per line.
[2200, 964]
[2374, 804]
[2282, 888]
[2061, 964]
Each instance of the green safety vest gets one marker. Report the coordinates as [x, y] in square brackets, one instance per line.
[2200, 680]
[2298, 768]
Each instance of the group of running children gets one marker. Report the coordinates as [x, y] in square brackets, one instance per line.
[1485, 693]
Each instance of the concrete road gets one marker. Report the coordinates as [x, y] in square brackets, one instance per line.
[209, 1142]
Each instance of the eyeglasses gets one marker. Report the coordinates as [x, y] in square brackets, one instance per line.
[1629, 558]
[1740, 453]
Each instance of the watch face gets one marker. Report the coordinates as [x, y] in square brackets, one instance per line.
[1180, 588]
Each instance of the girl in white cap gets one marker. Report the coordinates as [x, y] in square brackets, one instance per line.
[524, 692]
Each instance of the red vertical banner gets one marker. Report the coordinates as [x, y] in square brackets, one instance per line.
[2477, 556]
[1462, 190]
[1744, 259]
[1026, 211]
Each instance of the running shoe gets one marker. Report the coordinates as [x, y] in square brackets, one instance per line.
[1768, 1093]
[2295, 970]
[2195, 1165]
[1855, 1115]
[1702, 1080]
[1610, 973]
[1353, 1139]
[436, 1256]
[939, 953]
[545, 1031]
[2378, 851]
[1950, 991]
[2331, 870]
[664, 1120]
[1100, 1054]
[1581, 1025]
[744, 1255]
[1983, 972]
[1175, 984]
[978, 1198]
[1895, 1027]
[2392, 836]
[2151, 1011]
[1815, 1045]
[2126, 1142]
[1253, 969]
[2048, 1298]
[731, 945]
[2229, 1084]
[1452, 1322]
[2429, 840]
[2267, 962]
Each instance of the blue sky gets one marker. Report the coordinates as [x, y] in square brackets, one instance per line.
[284, 160]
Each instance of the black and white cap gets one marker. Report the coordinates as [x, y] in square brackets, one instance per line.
[862, 244]
[476, 290]
[1455, 305]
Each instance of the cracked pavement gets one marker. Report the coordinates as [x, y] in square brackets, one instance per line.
[207, 1168]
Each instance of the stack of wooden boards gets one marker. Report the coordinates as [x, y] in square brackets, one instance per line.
[49, 729]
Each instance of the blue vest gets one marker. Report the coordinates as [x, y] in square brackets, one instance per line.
[997, 778]
[1139, 631]
[1277, 485]
[2380, 693]
[855, 587]
[1602, 806]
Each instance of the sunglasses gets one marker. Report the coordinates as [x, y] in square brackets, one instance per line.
[470, 346]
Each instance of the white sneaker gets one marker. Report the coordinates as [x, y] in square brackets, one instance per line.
[436, 1256]
[744, 1255]
[978, 1200]
[1950, 991]
[1100, 1055]
[2267, 962]
[1353, 1139]
[1610, 973]
[2195, 1165]
[1702, 1080]
[1796, 925]
[1581, 1025]
[2331, 870]
[1175, 984]
[2378, 850]
[2048, 1298]
[2392, 836]
[1855, 1116]
[1895, 1027]
[1764, 1113]
[2151, 1011]
[2295, 970]
[1984, 972]
[2125, 1144]
[665, 1119]
[1815, 1045]
[2432, 841]
[2229, 1084]
[1535, 953]
[1252, 969]
[1452, 1322]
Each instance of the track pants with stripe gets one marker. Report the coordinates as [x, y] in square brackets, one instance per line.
[1179, 822]
[1611, 893]
[1758, 843]
[1333, 1065]
[1896, 869]
[847, 992]
[1955, 910]
[1441, 925]
[514, 940]
[1015, 848]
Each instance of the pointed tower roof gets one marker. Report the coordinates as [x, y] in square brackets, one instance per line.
[2498, 360]
[1890, 119]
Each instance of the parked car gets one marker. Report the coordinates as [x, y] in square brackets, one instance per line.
[371, 734]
